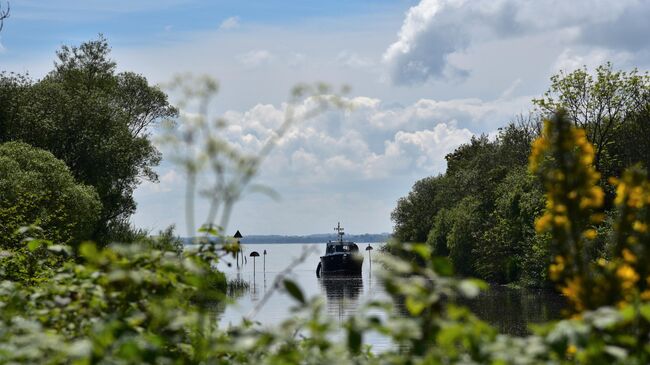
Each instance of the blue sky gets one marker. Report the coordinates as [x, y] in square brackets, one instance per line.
[425, 76]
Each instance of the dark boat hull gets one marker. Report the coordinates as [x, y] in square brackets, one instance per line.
[341, 264]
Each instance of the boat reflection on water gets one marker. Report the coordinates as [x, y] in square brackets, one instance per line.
[342, 294]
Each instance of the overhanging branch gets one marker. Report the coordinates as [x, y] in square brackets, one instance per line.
[4, 14]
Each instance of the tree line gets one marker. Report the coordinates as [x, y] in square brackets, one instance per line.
[481, 212]
[93, 119]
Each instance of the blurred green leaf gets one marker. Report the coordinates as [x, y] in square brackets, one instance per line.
[293, 290]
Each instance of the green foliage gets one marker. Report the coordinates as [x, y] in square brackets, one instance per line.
[481, 212]
[124, 303]
[613, 107]
[519, 200]
[599, 104]
[37, 189]
[415, 213]
[437, 238]
[466, 224]
[94, 119]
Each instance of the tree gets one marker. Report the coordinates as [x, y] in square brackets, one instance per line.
[414, 213]
[599, 104]
[37, 189]
[94, 119]
[437, 238]
[466, 224]
[503, 247]
[632, 140]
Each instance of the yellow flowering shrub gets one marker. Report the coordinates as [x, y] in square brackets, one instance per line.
[563, 158]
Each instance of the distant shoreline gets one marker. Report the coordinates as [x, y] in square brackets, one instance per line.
[313, 238]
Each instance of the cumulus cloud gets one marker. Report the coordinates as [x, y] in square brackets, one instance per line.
[373, 141]
[572, 59]
[435, 30]
[255, 58]
[230, 23]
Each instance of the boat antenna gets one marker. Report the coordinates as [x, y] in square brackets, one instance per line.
[339, 231]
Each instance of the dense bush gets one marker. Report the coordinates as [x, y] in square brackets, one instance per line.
[37, 189]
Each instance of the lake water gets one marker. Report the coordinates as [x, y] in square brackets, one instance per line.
[509, 310]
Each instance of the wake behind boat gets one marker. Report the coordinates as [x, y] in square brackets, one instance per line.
[341, 257]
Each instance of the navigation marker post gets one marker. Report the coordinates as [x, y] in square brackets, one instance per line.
[238, 237]
[254, 254]
[369, 248]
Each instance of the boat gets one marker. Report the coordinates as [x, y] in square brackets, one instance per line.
[341, 257]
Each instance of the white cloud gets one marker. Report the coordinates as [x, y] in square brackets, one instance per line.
[354, 60]
[395, 134]
[422, 151]
[434, 31]
[255, 58]
[230, 23]
[571, 59]
[373, 141]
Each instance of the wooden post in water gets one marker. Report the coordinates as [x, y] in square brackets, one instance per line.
[369, 248]
[254, 254]
[264, 262]
[238, 237]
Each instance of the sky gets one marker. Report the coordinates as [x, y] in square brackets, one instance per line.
[424, 75]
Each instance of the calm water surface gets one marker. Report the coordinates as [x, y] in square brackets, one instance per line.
[509, 310]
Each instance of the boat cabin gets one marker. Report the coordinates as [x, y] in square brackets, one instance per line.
[344, 247]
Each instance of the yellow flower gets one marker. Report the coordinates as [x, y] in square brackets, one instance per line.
[628, 276]
[645, 295]
[572, 291]
[640, 227]
[621, 192]
[590, 234]
[589, 150]
[597, 217]
[542, 223]
[556, 269]
[636, 198]
[587, 159]
[561, 220]
[628, 256]
[571, 350]
[598, 196]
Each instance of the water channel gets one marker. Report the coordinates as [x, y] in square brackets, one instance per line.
[509, 310]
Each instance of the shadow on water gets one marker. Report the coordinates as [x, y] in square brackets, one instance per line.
[342, 294]
[512, 310]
